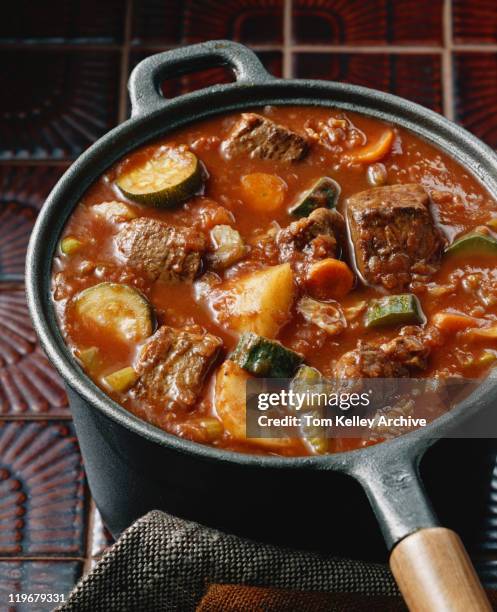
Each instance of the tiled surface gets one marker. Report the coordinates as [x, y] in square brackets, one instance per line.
[417, 77]
[63, 67]
[375, 22]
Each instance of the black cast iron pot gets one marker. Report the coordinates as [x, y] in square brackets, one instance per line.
[133, 467]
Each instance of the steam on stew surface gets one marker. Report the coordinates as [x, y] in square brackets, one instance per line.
[268, 243]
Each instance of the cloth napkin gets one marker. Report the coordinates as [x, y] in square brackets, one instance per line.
[163, 563]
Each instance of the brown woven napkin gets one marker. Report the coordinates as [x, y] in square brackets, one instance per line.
[164, 563]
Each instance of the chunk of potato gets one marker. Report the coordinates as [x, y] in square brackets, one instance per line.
[259, 302]
[230, 393]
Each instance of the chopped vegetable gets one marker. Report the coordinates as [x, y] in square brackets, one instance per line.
[259, 302]
[212, 427]
[492, 223]
[326, 315]
[229, 247]
[70, 245]
[169, 178]
[329, 278]
[114, 211]
[452, 322]
[323, 194]
[401, 309]
[267, 358]
[474, 243]
[121, 380]
[487, 358]
[305, 379]
[88, 357]
[377, 175]
[116, 308]
[230, 404]
[374, 151]
[264, 193]
[485, 332]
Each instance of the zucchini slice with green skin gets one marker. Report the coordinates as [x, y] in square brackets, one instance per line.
[403, 309]
[266, 358]
[167, 179]
[118, 309]
[307, 379]
[474, 243]
[323, 194]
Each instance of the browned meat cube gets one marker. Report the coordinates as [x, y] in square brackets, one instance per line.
[173, 365]
[394, 238]
[368, 361]
[161, 251]
[315, 237]
[394, 359]
[262, 138]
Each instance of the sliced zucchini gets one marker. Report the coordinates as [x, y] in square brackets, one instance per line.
[229, 247]
[474, 243]
[114, 211]
[264, 357]
[119, 309]
[167, 179]
[323, 194]
[305, 379]
[401, 309]
[70, 245]
[121, 380]
[326, 315]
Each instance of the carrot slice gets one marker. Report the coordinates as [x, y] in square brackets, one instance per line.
[329, 278]
[263, 192]
[374, 151]
[452, 322]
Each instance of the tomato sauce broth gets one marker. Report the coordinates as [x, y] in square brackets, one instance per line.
[459, 204]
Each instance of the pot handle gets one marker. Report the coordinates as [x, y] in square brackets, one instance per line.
[429, 563]
[144, 82]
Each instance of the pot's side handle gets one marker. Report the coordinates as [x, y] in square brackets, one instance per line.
[429, 563]
[144, 82]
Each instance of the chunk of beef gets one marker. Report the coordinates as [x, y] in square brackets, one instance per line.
[368, 360]
[161, 251]
[264, 139]
[315, 237]
[173, 365]
[411, 347]
[394, 238]
[394, 359]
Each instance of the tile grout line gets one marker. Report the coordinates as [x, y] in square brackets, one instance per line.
[287, 40]
[447, 66]
[125, 51]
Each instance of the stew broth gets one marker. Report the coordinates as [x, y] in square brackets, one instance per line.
[345, 147]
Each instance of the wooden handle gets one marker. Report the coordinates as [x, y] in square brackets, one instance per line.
[435, 574]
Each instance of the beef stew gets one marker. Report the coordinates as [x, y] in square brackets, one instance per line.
[281, 236]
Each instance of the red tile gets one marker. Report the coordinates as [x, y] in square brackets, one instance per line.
[42, 490]
[475, 92]
[67, 21]
[28, 383]
[43, 577]
[23, 190]
[474, 22]
[413, 76]
[174, 22]
[55, 103]
[375, 22]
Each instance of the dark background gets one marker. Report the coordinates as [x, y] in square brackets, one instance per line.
[64, 65]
